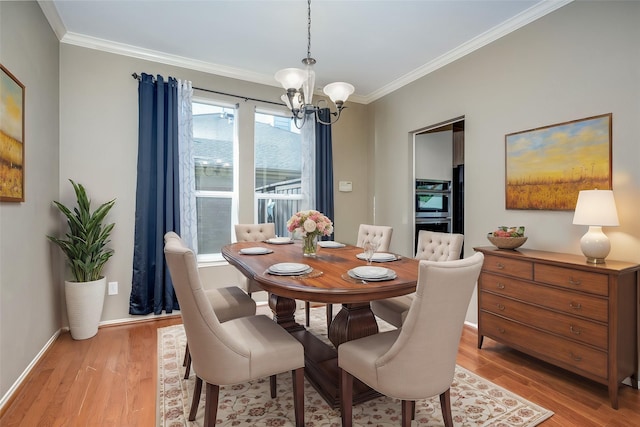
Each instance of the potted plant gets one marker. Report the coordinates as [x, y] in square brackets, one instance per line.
[85, 247]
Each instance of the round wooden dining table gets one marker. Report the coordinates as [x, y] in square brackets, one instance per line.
[327, 282]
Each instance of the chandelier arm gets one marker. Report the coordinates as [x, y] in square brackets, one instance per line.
[336, 114]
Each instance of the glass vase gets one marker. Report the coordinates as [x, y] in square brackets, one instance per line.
[310, 245]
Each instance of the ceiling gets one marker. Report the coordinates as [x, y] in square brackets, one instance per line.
[376, 45]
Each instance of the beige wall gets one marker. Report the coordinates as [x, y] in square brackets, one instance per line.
[579, 61]
[30, 299]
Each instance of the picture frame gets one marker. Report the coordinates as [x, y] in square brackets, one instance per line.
[547, 167]
[12, 103]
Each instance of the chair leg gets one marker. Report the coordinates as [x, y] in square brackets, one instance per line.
[346, 397]
[407, 412]
[195, 401]
[273, 384]
[186, 354]
[187, 363]
[298, 395]
[329, 315]
[445, 404]
[211, 405]
[307, 312]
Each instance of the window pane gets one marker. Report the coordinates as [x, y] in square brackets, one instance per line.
[278, 212]
[214, 224]
[213, 133]
[278, 169]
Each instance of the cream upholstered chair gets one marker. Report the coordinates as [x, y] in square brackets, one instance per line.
[228, 303]
[233, 352]
[376, 233]
[253, 233]
[432, 246]
[418, 360]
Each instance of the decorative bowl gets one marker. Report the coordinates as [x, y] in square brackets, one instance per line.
[507, 242]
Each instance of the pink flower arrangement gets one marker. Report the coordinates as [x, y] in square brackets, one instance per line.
[310, 223]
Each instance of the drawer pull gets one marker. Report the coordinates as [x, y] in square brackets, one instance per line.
[576, 357]
[575, 331]
[500, 307]
[575, 306]
[500, 266]
[500, 286]
[573, 281]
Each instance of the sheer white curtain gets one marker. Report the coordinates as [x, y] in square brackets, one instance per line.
[308, 172]
[188, 214]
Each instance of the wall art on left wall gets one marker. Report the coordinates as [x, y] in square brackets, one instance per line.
[11, 137]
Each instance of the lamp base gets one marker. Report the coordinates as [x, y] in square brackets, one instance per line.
[595, 245]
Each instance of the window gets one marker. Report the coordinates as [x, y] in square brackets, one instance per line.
[214, 155]
[278, 170]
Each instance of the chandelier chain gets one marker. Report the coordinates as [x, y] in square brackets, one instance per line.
[308, 28]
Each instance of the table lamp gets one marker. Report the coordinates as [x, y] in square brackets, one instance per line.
[595, 208]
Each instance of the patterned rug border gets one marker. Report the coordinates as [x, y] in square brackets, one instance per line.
[485, 403]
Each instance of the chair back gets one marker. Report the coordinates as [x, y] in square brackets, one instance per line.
[376, 233]
[217, 357]
[255, 232]
[435, 246]
[421, 362]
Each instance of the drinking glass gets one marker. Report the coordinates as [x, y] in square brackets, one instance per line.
[369, 249]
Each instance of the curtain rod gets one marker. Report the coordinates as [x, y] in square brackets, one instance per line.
[246, 98]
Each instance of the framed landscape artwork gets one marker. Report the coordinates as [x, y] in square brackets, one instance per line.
[547, 167]
[11, 137]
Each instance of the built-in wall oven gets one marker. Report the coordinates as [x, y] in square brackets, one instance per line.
[432, 206]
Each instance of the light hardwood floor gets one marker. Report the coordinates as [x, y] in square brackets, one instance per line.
[110, 380]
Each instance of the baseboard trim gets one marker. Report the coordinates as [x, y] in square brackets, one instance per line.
[11, 394]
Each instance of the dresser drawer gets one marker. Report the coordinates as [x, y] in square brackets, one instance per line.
[511, 267]
[576, 280]
[568, 354]
[571, 327]
[574, 303]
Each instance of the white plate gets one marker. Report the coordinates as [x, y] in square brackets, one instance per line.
[288, 268]
[378, 257]
[389, 276]
[256, 250]
[330, 244]
[294, 273]
[367, 272]
[280, 240]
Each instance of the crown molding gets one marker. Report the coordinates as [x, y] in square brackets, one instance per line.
[526, 17]
[533, 13]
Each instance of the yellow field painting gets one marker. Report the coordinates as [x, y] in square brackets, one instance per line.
[11, 138]
[547, 167]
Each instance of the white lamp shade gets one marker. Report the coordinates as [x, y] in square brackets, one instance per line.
[291, 78]
[339, 91]
[596, 207]
[285, 99]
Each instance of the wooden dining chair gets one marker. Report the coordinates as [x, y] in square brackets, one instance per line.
[236, 351]
[418, 360]
[432, 246]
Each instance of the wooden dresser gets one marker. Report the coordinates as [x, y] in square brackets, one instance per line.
[558, 308]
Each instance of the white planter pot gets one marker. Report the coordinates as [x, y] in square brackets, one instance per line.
[84, 307]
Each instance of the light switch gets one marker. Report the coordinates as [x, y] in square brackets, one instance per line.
[345, 186]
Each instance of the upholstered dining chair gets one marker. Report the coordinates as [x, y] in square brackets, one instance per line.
[381, 234]
[228, 302]
[432, 246]
[237, 351]
[418, 360]
[253, 233]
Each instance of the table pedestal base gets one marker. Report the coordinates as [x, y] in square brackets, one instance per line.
[321, 360]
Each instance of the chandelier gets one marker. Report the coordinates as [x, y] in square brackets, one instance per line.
[300, 84]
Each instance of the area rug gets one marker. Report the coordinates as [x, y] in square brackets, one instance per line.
[474, 400]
